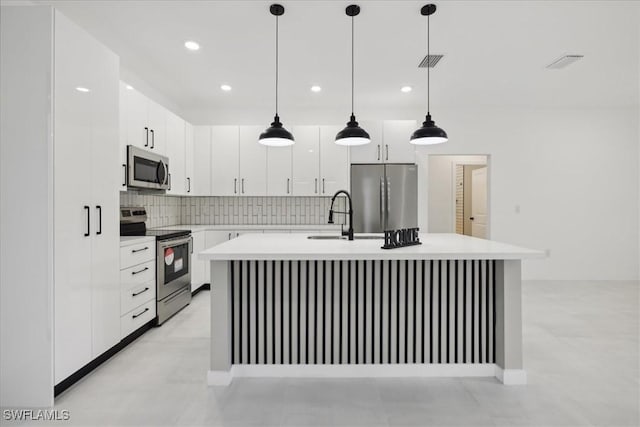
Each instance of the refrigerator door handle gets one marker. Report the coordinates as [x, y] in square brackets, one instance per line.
[382, 210]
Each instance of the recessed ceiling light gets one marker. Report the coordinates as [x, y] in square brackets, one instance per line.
[82, 89]
[225, 88]
[406, 89]
[191, 45]
[316, 88]
[129, 87]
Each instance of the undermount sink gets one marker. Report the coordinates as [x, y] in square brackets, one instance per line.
[334, 237]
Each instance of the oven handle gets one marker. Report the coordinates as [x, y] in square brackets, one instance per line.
[174, 242]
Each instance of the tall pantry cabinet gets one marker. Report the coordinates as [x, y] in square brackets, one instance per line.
[86, 201]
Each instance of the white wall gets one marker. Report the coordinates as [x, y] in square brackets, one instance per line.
[26, 227]
[440, 184]
[574, 174]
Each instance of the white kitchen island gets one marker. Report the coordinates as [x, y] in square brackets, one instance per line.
[287, 305]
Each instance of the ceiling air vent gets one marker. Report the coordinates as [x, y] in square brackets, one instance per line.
[430, 61]
[564, 61]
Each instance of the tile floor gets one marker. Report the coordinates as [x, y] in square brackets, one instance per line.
[581, 354]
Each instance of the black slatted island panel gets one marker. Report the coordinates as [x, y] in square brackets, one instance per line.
[363, 311]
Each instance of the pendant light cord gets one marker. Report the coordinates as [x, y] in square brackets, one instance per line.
[276, 65]
[352, 23]
[428, 64]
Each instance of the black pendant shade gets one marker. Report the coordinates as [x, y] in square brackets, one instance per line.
[276, 135]
[429, 133]
[352, 134]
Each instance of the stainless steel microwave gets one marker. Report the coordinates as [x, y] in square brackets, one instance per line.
[146, 169]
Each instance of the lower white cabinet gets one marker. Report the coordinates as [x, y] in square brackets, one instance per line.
[137, 284]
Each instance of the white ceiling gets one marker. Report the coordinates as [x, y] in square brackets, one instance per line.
[495, 52]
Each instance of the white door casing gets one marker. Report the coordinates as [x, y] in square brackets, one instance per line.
[479, 203]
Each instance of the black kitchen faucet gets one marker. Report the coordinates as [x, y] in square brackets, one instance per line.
[349, 232]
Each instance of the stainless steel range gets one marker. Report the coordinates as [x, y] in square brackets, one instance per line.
[173, 261]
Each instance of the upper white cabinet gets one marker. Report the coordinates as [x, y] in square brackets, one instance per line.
[225, 164]
[86, 229]
[201, 183]
[305, 161]
[145, 121]
[334, 162]
[122, 139]
[176, 149]
[189, 159]
[371, 152]
[389, 143]
[395, 139]
[279, 171]
[253, 162]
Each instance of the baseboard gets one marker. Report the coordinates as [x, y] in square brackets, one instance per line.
[511, 376]
[204, 287]
[220, 377]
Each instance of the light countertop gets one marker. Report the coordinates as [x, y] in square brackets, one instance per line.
[198, 227]
[296, 246]
[135, 240]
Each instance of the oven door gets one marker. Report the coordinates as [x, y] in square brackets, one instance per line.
[147, 170]
[173, 265]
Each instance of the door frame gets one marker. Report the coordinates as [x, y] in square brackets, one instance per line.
[454, 165]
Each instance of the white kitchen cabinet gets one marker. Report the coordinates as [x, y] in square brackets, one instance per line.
[201, 184]
[145, 121]
[279, 171]
[198, 267]
[189, 158]
[253, 162]
[122, 139]
[334, 162]
[225, 161]
[175, 144]
[305, 163]
[395, 141]
[137, 284]
[86, 229]
[371, 152]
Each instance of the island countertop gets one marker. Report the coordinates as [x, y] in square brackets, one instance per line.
[284, 246]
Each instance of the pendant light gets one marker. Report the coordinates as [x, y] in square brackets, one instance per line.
[352, 134]
[276, 135]
[429, 133]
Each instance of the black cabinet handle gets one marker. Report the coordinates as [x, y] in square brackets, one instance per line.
[386, 146]
[124, 184]
[153, 139]
[169, 182]
[88, 209]
[189, 185]
[140, 314]
[235, 185]
[135, 294]
[140, 271]
[322, 185]
[133, 251]
[288, 185]
[99, 208]
[316, 187]
[378, 151]
[146, 144]
[242, 185]
[471, 218]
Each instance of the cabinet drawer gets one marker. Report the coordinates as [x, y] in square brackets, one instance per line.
[138, 274]
[137, 317]
[136, 254]
[136, 295]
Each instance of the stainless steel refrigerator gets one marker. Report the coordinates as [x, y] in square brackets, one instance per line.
[385, 197]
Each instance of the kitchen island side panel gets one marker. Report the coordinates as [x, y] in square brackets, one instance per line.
[333, 312]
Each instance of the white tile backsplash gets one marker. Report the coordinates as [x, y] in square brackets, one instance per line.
[163, 210]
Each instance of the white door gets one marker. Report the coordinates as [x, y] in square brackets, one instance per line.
[225, 163]
[305, 163]
[479, 203]
[395, 137]
[137, 119]
[371, 152]
[201, 185]
[253, 162]
[188, 154]
[158, 127]
[105, 234]
[175, 145]
[334, 162]
[279, 171]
